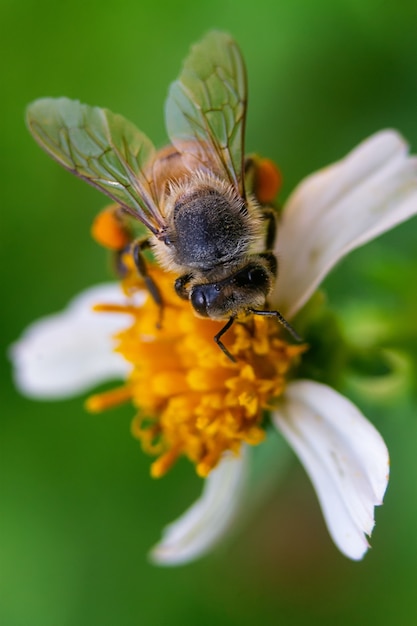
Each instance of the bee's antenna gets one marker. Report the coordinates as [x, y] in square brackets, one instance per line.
[281, 320]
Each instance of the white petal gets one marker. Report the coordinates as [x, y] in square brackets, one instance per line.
[344, 455]
[339, 209]
[206, 522]
[68, 352]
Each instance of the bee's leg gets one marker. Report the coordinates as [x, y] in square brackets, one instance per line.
[117, 263]
[273, 267]
[270, 217]
[262, 178]
[137, 247]
[281, 319]
[111, 229]
[220, 334]
[180, 286]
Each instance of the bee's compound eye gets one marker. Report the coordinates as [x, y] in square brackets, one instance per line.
[199, 300]
[256, 276]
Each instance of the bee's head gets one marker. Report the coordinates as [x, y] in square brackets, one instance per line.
[242, 291]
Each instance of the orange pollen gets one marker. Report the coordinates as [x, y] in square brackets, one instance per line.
[191, 399]
[109, 230]
[268, 180]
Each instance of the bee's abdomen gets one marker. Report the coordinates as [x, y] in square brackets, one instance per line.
[209, 229]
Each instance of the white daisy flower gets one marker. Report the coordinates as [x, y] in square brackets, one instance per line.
[200, 404]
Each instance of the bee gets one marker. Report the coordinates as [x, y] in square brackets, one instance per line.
[205, 223]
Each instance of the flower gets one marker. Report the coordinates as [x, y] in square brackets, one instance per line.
[192, 400]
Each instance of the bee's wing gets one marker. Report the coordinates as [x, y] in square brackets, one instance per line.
[104, 149]
[207, 104]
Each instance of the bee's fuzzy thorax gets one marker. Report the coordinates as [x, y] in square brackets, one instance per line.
[208, 224]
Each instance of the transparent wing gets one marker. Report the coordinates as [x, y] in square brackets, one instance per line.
[104, 149]
[207, 103]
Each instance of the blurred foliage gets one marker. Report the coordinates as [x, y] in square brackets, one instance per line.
[79, 510]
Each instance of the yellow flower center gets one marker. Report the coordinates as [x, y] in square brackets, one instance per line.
[191, 398]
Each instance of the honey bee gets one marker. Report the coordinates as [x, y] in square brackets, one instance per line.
[193, 196]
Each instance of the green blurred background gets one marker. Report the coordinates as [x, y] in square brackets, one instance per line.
[79, 510]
